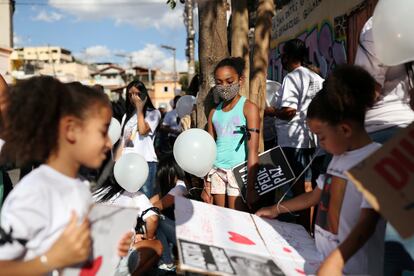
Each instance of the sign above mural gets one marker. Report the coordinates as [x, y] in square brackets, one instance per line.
[320, 23]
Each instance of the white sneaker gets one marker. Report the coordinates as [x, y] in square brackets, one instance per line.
[167, 267]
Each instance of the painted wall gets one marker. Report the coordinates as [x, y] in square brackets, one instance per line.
[321, 24]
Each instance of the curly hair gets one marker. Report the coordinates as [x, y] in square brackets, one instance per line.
[237, 63]
[35, 109]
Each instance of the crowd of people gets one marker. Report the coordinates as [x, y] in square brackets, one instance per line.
[324, 126]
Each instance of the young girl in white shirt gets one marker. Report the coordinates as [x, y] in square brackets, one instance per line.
[63, 127]
[139, 127]
[348, 233]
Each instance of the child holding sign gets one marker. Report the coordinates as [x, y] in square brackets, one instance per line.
[234, 124]
[348, 232]
[63, 127]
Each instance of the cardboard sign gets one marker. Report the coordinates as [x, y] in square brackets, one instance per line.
[216, 240]
[274, 172]
[386, 178]
[108, 224]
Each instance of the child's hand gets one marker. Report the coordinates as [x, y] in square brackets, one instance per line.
[332, 265]
[73, 246]
[206, 193]
[139, 104]
[268, 212]
[252, 197]
[124, 244]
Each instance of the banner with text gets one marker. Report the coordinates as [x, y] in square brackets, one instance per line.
[216, 240]
[386, 178]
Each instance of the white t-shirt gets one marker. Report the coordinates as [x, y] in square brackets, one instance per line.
[126, 199]
[392, 109]
[39, 208]
[297, 90]
[180, 189]
[339, 211]
[170, 120]
[142, 144]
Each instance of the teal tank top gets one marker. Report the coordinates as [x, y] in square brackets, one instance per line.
[227, 127]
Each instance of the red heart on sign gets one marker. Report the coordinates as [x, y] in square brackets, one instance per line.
[91, 268]
[237, 238]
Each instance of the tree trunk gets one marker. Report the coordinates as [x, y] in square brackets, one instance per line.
[212, 47]
[240, 39]
[262, 32]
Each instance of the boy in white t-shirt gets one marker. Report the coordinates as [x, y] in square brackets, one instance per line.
[348, 233]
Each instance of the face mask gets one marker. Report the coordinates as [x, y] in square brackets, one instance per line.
[227, 92]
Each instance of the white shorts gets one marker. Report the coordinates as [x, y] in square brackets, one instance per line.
[223, 182]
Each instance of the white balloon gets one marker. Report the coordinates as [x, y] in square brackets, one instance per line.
[393, 31]
[131, 171]
[185, 105]
[195, 151]
[271, 88]
[114, 131]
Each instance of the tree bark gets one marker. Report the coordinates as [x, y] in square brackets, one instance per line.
[240, 39]
[262, 33]
[212, 47]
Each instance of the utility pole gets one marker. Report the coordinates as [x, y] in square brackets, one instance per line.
[170, 48]
[188, 21]
[130, 63]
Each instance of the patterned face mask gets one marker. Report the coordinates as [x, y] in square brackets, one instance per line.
[227, 92]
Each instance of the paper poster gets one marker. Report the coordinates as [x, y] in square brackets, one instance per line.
[108, 224]
[222, 241]
[386, 178]
[274, 172]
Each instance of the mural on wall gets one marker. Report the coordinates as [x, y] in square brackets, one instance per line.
[325, 49]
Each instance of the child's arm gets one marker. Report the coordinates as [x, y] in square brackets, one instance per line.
[300, 202]
[251, 112]
[165, 202]
[72, 247]
[363, 230]
[151, 224]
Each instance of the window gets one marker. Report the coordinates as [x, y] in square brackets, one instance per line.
[165, 88]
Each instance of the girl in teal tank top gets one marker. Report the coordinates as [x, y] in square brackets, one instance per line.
[234, 124]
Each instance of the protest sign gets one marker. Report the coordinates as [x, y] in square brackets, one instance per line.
[386, 178]
[216, 240]
[108, 224]
[274, 171]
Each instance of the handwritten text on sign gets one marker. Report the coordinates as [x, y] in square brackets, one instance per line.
[386, 179]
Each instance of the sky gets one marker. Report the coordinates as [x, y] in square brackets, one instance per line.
[98, 30]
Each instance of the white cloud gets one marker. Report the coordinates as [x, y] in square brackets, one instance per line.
[19, 41]
[140, 13]
[97, 51]
[46, 16]
[154, 57]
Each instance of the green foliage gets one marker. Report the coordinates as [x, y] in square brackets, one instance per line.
[184, 82]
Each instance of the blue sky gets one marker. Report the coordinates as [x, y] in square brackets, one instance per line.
[95, 30]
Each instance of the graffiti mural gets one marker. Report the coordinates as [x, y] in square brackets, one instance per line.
[325, 51]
